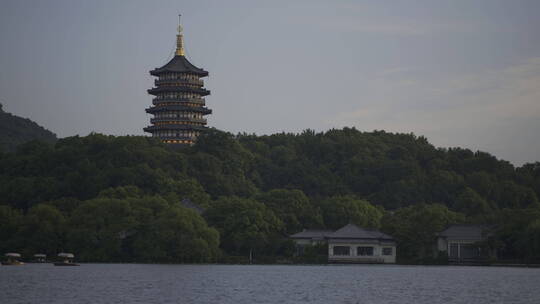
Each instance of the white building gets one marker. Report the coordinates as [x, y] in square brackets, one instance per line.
[350, 244]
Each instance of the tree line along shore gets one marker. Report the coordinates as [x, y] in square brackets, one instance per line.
[123, 199]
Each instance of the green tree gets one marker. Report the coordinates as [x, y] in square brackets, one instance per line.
[531, 241]
[188, 188]
[244, 225]
[339, 211]
[10, 223]
[471, 203]
[169, 233]
[129, 191]
[98, 227]
[519, 230]
[333, 169]
[293, 208]
[415, 228]
[512, 195]
[65, 205]
[176, 235]
[445, 186]
[42, 230]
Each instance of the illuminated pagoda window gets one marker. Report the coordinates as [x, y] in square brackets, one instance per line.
[178, 106]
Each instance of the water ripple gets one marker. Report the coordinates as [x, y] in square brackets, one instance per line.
[136, 283]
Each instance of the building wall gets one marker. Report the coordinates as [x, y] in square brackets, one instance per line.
[354, 257]
[455, 248]
[312, 242]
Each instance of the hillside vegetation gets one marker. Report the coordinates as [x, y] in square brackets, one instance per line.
[15, 130]
[112, 198]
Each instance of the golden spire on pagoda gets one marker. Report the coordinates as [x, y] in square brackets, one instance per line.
[180, 40]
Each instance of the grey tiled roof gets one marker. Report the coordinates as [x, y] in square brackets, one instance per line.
[464, 232]
[179, 64]
[312, 234]
[352, 231]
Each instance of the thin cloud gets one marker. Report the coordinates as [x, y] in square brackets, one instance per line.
[366, 22]
[453, 109]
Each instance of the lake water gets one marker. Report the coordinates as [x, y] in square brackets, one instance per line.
[136, 283]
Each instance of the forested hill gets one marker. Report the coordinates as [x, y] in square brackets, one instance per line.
[119, 198]
[15, 130]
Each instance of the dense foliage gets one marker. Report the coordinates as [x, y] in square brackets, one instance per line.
[120, 198]
[16, 130]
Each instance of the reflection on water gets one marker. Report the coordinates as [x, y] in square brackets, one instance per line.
[135, 283]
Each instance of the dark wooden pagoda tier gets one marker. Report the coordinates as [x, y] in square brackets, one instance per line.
[178, 107]
[179, 87]
[166, 108]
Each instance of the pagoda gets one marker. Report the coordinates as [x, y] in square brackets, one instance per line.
[178, 106]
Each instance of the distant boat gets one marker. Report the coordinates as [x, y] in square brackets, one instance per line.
[12, 259]
[67, 259]
[40, 258]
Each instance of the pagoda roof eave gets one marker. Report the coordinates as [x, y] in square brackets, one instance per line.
[179, 64]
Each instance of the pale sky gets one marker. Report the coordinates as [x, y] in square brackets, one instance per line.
[462, 73]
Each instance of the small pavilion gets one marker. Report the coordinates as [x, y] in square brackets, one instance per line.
[462, 242]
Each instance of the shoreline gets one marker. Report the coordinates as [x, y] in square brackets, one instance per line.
[517, 265]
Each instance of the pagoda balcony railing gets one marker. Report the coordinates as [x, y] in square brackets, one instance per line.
[174, 119]
[198, 82]
[176, 137]
[164, 89]
[167, 108]
[159, 100]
